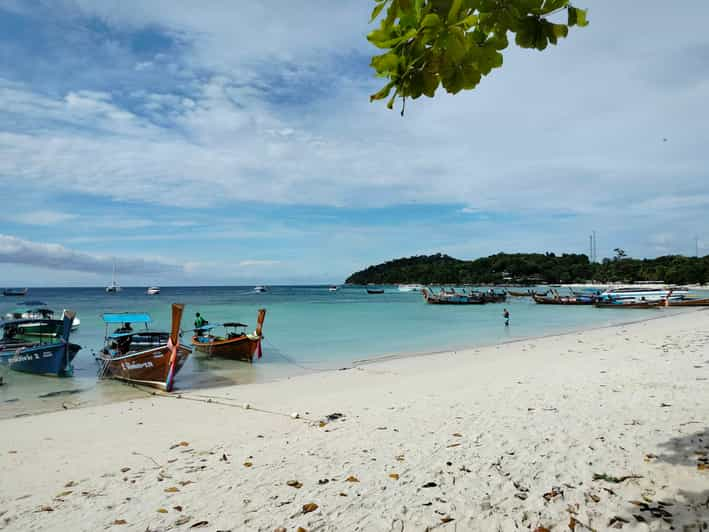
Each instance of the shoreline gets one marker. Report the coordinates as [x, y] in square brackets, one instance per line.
[121, 392]
[495, 438]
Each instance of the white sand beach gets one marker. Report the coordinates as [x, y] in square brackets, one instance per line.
[505, 437]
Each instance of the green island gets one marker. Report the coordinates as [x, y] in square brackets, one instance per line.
[533, 268]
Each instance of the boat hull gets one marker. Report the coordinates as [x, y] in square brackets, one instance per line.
[561, 301]
[690, 303]
[647, 304]
[451, 299]
[150, 368]
[243, 348]
[46, 359]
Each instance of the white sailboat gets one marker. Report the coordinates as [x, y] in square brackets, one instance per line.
[114, 286]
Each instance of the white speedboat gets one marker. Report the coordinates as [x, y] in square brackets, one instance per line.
[153, 291]
[333, 288]
[260, 289]
[410, 287]
[640, 293]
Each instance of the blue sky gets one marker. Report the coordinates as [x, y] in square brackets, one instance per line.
[233, 142]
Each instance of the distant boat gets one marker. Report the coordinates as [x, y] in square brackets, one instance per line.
[153, 291]
[235, 345]
[113, 287]
[452, 298]
[143, 357]
[578, 300]
[260, 289]
[52, 357]
[375, 290]
[410, 287]
[515, 293]
[333, 289]
[15, 292]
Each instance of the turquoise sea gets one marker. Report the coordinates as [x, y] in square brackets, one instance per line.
[307, 328]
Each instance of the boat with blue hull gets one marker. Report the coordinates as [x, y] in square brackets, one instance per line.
[47, 355]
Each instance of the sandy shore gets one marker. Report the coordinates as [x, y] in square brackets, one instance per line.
[505, 437]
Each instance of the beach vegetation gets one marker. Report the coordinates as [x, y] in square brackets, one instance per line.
[534, 268]
[427, 44]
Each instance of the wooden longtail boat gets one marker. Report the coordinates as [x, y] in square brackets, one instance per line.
[543, 300]
[375, 290]
[630, 304]
[451, 298]
[143, 357]
[514, 293]
[234, 345]
[689, 302]
[50, 354]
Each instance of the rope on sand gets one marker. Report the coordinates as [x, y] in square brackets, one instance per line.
[217, 400]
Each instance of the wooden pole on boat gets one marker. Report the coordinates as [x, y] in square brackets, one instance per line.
[259, 321]
[173, 343]
[259, 330]
[66, 332]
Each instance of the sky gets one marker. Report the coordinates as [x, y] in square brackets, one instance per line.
[233, 142]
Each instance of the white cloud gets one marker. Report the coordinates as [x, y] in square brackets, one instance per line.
[259, 262]
[265, 111]
[14, 250]
[42, 217]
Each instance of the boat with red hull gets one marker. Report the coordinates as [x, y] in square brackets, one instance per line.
[235, 344]
[143, 357]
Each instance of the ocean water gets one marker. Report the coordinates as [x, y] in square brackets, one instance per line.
[307, 328]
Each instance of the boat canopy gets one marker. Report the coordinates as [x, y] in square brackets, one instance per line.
[127, 317]
[235, 324]
[144, 332]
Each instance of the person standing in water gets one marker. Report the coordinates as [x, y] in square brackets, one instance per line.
[506, 315]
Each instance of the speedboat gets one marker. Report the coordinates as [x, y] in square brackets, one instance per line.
[639, 293]
[153, 291]
[410, 287]
[260, 289]
[333, 288]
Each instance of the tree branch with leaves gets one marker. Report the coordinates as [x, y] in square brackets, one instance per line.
[454, 43]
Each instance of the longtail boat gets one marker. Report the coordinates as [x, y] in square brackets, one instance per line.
[375, 290]
[50, 354]
[544, 300]
[143, 357]
[629, 304]
[451, 298]
[236, 344]
[514, 293]
[37, 310]
[689, 302]
[493, 297]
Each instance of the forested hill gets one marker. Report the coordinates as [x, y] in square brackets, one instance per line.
[533, 268]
